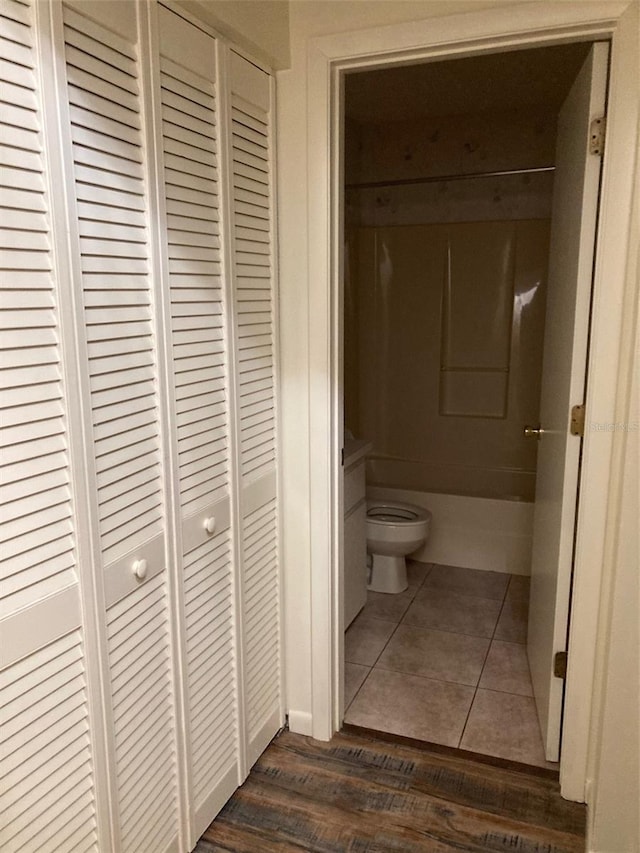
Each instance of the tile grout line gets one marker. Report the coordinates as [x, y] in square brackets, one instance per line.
[371, 668]
[456, 633]
[484, 663]
[491, 640]
[445, 681]
[441, 630]
[392, 634]
[364, 681]
[493, 690]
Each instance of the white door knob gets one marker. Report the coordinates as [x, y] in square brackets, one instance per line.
[210, 524]
[140, 569]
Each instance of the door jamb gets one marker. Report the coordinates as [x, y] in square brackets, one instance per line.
[329, 57]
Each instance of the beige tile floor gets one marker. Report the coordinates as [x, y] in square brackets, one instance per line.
[445, 662]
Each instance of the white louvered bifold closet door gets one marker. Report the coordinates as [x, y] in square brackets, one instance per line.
[254, 310]
[199, 360]
[140, 650]
[108, 162]
[47, 794]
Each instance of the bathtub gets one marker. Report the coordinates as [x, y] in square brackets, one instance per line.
[480, 533]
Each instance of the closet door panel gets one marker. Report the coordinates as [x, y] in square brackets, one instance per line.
[105, 112]
[254, 310]
[139, 658]
[199, 359]
[211, 677]
[261, 623]
[47, 794]
[47, 798]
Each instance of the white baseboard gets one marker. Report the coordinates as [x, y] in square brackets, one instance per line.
[301, 722]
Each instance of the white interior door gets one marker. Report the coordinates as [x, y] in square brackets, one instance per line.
[102, 113]
[188, 94]
[250, 123]
[563, 384]
[47, 761]
[140, 669]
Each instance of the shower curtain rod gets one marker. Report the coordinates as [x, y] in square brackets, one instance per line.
[439, 178]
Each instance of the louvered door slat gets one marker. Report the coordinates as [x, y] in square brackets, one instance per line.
[199, 361]
[106, 161]
[254, 309]
[16, 53]
[18, 12]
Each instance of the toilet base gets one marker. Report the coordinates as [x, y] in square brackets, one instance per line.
[388, 574]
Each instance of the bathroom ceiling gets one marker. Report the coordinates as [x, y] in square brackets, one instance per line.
[494, 82]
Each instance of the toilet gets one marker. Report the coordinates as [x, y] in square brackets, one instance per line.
[394, 530]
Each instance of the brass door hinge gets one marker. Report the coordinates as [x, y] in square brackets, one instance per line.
[596, 135]
[560, 664]
[577, 420]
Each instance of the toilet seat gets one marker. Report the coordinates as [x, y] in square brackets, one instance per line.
[386, 512]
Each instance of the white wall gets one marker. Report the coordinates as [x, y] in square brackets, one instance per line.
[307, 19]
[614, 783]
[310, 18]
[259, 26]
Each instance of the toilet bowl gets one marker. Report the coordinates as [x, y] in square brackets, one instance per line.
[394, 530]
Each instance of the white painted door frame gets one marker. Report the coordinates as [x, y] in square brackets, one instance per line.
[520, 26]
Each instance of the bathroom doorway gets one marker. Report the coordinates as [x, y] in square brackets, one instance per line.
[449, 173]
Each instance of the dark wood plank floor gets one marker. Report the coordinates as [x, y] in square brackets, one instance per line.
[370, 796]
